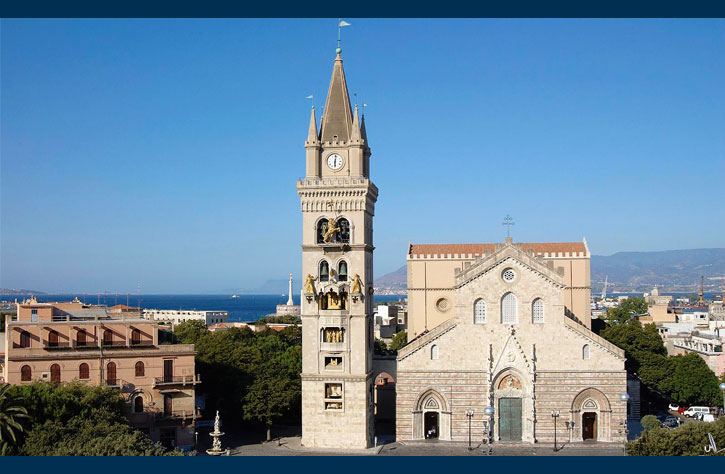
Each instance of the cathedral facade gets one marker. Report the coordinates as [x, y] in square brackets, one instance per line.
[503, 326]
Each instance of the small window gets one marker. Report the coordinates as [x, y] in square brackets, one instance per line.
[537, 311]
[26, 373]
[508, 275]
[107, 337]
[55, 373]
[111, 373]
[34, 314]
[81, 338]
[342, 271]
[135, 337]
[479, 312]
[434, 352]
[585, 351]
[84, 371]
[53, 339]
[324, 271]
[138, 404]
[140, 369]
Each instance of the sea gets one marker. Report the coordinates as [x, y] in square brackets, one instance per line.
[244, 308]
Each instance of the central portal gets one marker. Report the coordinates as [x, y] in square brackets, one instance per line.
[509, 419]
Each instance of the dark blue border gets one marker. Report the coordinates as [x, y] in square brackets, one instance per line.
[371, 8]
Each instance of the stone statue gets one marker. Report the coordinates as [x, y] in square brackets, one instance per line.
[309, 284]
[356, 284]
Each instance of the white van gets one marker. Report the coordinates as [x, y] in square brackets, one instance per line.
[692, 410]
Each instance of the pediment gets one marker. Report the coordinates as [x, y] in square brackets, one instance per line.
[509, 253]
[512, 355]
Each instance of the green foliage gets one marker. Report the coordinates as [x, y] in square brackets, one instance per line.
[685, 440]
[650, 422]
[623, 313]
[13, 418]
[399, 340]
[252, 376]
[96, 436]
[283, 319]
[381, 347]
[189, 332]
[686, 379]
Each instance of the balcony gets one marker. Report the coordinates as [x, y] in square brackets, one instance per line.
[176, 380]
[56, 345]
[114, 343]
[174, 415]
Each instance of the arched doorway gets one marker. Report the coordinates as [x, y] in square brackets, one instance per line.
[589, 426]
[513, 407]
[111, 373]
[55, 373]
[591, 413]
[432, 417]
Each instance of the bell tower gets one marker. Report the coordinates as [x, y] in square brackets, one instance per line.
[338, 204]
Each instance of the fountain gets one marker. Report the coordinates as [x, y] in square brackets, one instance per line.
[216, 449]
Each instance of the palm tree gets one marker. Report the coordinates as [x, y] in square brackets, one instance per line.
[12, 415]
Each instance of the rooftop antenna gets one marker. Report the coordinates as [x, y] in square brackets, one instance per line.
[340, 24]
[508, 221]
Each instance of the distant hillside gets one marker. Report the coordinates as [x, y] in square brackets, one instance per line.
[672, 270]
[13, 292]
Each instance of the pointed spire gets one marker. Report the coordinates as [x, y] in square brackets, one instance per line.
[355, 128]
[363, 132]
[312, 136]
[337, 116]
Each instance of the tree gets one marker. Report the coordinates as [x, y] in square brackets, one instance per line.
[399, 340]
[685, 440]
[13, 417]
[380, 347]
[276, 382]
[692, 381]
[189, 332]
[623, 313]
[650, 422]
[636, 340]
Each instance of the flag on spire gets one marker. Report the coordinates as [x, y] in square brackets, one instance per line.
[343, 23]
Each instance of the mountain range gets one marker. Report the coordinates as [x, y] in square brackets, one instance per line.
[671, 270]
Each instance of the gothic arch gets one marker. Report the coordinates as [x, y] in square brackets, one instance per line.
[590, 404]
[511, 383]
[431, 400]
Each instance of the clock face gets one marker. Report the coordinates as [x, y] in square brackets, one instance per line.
[334, 161]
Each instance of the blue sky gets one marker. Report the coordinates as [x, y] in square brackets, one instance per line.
[166, 151]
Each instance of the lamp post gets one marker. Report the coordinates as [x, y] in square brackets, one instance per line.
[196, 440]
[722, 387]
[469, 414]
[555, 415]
[489, 412]
[625, 398]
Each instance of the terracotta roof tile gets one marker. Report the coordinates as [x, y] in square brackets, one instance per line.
[480, 249]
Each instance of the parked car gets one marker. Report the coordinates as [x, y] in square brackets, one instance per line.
[681, 410]
[693, 410]
[708, 417]
[673, 407]
[671, 422]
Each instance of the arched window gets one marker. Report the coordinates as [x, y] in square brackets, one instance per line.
[26, 373]
[508, 309]
[585, 351]
[537, 311]
[107, 337]
[55, 373]
[83, 371]
[434, 352]
[135, 337]
[81, 338]
[324, 271]
[321, 229]
[342, 271]
[53, 339]
[111, 373]
[479, 312]
[138, 404]
[25, 340]
[140, 369]
[343, 235]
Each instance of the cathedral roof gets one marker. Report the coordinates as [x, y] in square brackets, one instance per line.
[540, 248]
[337, 116]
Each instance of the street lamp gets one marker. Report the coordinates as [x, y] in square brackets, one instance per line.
[555, 415]
[469, 414]
[722, 387]
[625, 398]
[489, 412]
[196, 440]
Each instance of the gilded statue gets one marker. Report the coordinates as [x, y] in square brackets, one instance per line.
[332, 228]
[356, 284]
[309, 284]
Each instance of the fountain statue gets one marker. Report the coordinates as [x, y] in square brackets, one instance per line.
[216, 449]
